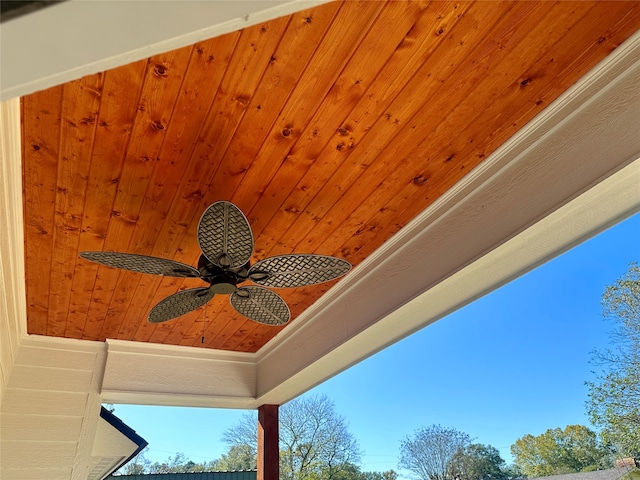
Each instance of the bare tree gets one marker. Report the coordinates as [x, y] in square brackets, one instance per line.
[314, 439]
[243, 434]
[430, 453]
[138, 465]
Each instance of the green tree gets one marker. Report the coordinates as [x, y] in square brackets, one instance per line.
[431, 452]
[239, 457]
[573, 449]
[388, 475]
[179, 463]
[512, 471]
[480, 462]
[613, 403]
[347, 472]
[176, 464]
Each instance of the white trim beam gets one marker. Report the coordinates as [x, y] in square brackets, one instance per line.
[148, 374]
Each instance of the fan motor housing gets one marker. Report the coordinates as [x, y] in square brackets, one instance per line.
[223, 288]
[222, 280]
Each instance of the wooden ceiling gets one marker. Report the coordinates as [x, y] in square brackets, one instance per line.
[331, 129]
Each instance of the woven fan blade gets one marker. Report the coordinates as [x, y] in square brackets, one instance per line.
[225, 236]
[297, 270]
[142, 263]
[261, 305]
[179, 303]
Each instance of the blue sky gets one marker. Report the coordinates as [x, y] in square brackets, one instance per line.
[511, 363]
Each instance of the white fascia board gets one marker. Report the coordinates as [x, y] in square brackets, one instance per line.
[504, 210]
[69, 40]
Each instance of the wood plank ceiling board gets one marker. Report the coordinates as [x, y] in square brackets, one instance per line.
[330, 128]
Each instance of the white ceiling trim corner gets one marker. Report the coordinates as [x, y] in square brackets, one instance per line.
[77, 38]
[84, 456]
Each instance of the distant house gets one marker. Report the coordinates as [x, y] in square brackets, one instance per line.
[625, 469]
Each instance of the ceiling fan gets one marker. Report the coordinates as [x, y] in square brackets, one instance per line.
[226, 241]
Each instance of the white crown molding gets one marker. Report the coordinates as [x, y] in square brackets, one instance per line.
[71, 43]
[59, 343]
[156, 349]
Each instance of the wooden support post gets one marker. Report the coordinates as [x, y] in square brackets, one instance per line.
[268, 443]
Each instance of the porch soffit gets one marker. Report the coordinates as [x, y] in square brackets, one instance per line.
[332, 128]
[569, 173]
[426, 281]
